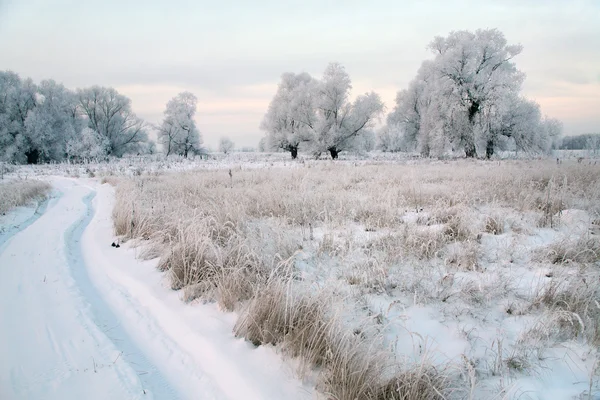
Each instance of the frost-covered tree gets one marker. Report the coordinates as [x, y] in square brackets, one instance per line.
[519, 121]
[39, 122]
[474, 71]
[412, 107]
[149, 148]
[262, 144]
[580, 142]
[338, 121]
[592, 143]
[467, 99]
[109, 114]
[320, 114]
[53, 122]
[392, 138]
[17, 99]
[553, 132]
[226, 145]
[88, 144]
[367, 141]
[290, 118]
[178, 133]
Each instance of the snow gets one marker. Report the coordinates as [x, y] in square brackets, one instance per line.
[19, 219]
[82, 319]
[49, 344]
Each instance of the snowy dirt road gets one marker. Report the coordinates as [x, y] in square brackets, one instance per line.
[81, 319]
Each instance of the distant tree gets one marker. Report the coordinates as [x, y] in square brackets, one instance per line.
[588, 141]
[339, 122]
[226, 145]
[178, 133]
[167, 134]
[367, 141]
[320, 114]
[411, 110]
[467, 99]
[393, 138]
[520, 120]
[474, 70]
[109, 114]
[552, 132]
[592, 143]
[150, 148]
[290, 118]
[262, 144]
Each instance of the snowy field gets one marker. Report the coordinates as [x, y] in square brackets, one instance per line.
[253, 276]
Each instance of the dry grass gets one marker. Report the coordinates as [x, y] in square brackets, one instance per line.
[21, 192]
[583, 249]
[279, 314]
[494, 225]
[374, 196]
[421, 382]
[465, 256]
[240, 241]
[572, 305]
[351, 367]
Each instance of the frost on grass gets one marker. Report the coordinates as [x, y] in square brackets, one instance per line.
[17, 193]
[409, 281]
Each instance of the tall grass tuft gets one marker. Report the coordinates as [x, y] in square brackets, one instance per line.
[21, 192]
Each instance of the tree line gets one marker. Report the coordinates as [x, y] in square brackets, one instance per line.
[48, 122]
[589, 141]
[466, 101]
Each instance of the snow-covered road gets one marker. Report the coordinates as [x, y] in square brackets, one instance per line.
[82, 319]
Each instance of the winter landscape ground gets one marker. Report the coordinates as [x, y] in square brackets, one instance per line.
[253, 276]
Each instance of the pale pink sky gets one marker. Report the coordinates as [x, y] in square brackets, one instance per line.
[231, 53]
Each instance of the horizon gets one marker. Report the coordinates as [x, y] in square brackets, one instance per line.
[233, 61]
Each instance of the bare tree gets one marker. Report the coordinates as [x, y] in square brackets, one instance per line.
[226, 145]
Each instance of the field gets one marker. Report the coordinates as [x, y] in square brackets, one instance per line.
[375, 277]
[457, 279]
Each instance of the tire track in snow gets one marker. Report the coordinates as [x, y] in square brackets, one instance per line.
[49, 346]
[152, 380]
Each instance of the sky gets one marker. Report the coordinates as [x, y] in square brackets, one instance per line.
[231, 54]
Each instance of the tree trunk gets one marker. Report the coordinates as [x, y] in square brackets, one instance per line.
[33, 156]
[334, 153]
[294, 151]
[473, 110]
[470, 150]
[489, 149]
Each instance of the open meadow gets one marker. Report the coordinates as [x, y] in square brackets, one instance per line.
[410, 280]
[379, 277]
